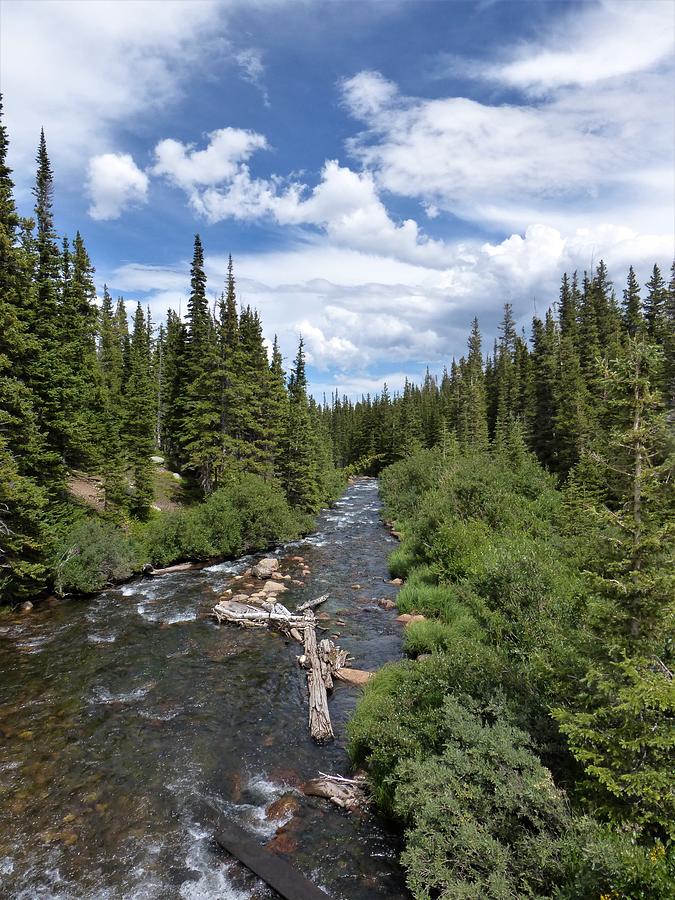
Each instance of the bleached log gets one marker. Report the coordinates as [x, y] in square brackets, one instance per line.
[347, 793]
[311, 604]
[320, 726]
[246, 614]
[167, 570]
[332, 659]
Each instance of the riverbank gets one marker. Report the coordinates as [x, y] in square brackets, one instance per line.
[90, 552]
[132, 724]
[467, 743]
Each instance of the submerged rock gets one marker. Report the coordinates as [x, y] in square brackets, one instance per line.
[386, 603]
[282, 808]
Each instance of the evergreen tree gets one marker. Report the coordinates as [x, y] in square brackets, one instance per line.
[620, 726]
[543, 414]
[471, 411]
[300, 464]
[139, 419]
[656, 303]
[633, 319]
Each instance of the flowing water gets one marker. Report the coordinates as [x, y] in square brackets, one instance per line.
[131, 724]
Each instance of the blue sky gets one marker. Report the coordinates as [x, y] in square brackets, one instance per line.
[380, 171]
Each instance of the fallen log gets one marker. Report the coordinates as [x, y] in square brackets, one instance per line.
[322, 660]
[311, 604]
[267, 613]
[347, 793]
[320, 726]
[287, 881]
[167, 570]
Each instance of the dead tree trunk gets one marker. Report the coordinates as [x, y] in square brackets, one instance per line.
[320, 726]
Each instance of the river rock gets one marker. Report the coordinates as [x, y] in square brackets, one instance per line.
[274, 587]
[265, 567]
[283, 843]
[407, 618]
[354, 676]
[386, 603]
[282, 808]
[396, 581]
[26, 606]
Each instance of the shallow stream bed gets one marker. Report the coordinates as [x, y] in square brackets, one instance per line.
[130, 724]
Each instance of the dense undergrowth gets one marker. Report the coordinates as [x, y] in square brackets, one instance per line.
[463, 745]
[249, 513]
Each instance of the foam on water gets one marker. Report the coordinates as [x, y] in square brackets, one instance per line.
[102, 695]
[101, 638]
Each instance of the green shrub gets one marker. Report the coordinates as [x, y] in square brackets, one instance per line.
[400, 713]
[483, 816]
[600, 862]
[92, 554]
[404, 483]
[247, 514]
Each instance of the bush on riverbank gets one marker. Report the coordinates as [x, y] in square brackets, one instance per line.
[461, 747]
[249, 514]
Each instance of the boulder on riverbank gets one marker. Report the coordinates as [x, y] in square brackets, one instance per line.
[386, 603]
[357, 677]
[407, 618]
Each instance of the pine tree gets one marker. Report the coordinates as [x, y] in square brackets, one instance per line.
[620, 726]
[300, 464]
[656, 303]
[200, 449]
[139, 419]
[505, 377]
[633, 319]
[471, 410]
[276, 408]
[543, 416]
[47, 373]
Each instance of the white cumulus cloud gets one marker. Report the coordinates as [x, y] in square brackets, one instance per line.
[114, 183]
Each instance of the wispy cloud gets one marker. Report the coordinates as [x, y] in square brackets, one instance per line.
[250, 62]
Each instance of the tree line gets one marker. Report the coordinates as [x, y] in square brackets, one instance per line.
[552, 387]
[82, 390]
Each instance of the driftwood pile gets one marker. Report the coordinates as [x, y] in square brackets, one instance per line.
[322, 659]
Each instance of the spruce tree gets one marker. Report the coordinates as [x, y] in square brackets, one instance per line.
[542, 425]
[139, 418]
[200, 450]
[656, 303]
[471, 408]
[619, 726]
[633, 319]
[300, 464]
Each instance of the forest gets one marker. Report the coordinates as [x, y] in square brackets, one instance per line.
[525, 745]
[81, 392]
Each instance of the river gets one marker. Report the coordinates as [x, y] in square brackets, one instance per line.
[130, 724]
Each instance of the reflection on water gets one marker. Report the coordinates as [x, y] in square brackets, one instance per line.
[131, 724]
